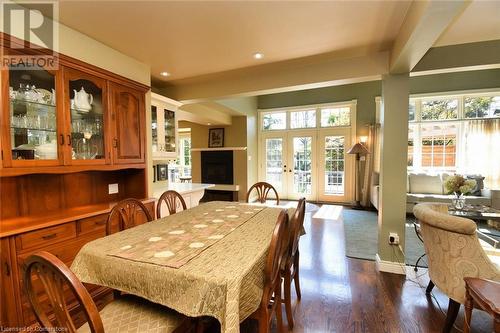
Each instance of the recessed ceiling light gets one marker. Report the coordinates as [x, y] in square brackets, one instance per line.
[165, 74]
[209, 124]
[258, 55]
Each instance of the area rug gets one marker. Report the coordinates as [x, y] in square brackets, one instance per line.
[361, 237]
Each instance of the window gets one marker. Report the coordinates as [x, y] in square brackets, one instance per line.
[320, 116]
[274, 121]
[482, 106]
[184, 160]
[439, 126]
[439, 109]
[411, 111]
[438, 144]
[303, 119]
[336, 117]
[411, 144]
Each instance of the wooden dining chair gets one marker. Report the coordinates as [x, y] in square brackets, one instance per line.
[170, 199]
[290, 264]
[263, 190]
[128, 212]
[127, 314]
[271, 297]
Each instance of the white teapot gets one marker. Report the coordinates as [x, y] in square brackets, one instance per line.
[82, 100]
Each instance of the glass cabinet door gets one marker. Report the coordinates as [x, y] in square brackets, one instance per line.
[33, 115]
[87, 108]
[154, 128]
[169, 131]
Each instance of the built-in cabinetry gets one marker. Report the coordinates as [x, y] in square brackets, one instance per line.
[67, 134]
[163, 127]
[79, 117]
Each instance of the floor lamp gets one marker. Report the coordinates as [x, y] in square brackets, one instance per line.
[359, 150]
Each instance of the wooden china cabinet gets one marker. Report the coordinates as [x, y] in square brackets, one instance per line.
[66, 135]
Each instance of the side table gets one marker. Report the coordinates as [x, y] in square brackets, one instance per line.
[485, 295]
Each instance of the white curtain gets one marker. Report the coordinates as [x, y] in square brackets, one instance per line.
[482, 150]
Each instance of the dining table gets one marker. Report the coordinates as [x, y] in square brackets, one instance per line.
[205, 261]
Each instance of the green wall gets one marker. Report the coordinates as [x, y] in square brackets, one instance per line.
[366, 92]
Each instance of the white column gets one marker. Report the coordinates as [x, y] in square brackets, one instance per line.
[393, 161]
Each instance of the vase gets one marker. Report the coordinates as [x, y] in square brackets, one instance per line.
[458, 201]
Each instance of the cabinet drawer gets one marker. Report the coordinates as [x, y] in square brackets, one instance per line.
[65, 252]
[47, 236]
[94, 224]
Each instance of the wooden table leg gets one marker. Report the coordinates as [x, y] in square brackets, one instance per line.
[468, 310]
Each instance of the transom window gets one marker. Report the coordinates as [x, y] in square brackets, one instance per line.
[335, 117]
[321, 116]
[274, 121]
[303, 119]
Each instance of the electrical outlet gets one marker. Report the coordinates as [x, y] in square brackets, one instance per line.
[112, 188]
[393, 238]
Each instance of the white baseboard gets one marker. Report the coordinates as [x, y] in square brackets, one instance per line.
[389, 266]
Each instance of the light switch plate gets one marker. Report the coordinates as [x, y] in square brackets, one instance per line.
[112, 188]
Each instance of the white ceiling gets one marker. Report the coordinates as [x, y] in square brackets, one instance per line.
[479, 22]
[189, 39]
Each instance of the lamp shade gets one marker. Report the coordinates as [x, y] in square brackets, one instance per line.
[358, 148]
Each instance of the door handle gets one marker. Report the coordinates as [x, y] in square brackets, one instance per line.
[62, 140]
[69, 140]
[115, 143]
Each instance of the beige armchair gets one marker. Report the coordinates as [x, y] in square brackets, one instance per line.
[453, 252]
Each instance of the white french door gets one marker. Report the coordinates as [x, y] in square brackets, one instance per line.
[301, 173]
[289, 163]
[334, 170]
[274, 161]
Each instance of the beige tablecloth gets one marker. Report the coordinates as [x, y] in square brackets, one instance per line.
[224, 281]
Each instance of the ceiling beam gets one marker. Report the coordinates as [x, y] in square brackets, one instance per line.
[205, 113]
[305, 73]
[425, 21]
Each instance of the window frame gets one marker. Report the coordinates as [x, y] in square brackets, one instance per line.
[460, 121]
[316, 107]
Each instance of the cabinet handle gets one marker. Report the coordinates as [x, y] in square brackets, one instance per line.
[7, 269]
[49, 236]
[115, 143]
[62, 139]
[69, 140]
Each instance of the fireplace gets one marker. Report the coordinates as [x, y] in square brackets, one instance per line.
[217, 167]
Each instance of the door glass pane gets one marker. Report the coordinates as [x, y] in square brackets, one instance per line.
[334, 165]
[169, 131]
[302, 173]
[303, 119]
[87, 120]
[336, 116]
[274, 121]
[274, 162]
[33, 116]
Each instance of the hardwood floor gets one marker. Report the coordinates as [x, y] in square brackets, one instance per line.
[340, 294]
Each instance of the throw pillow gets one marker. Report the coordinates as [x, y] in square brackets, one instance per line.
[479, 184]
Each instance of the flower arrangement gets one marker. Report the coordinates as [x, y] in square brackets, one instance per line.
[459, 185]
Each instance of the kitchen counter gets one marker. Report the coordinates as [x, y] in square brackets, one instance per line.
[191, 192]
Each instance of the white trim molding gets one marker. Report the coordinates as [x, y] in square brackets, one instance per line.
[219, 149]
[389, 266]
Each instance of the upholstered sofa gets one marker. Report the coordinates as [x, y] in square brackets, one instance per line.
[430, 188]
